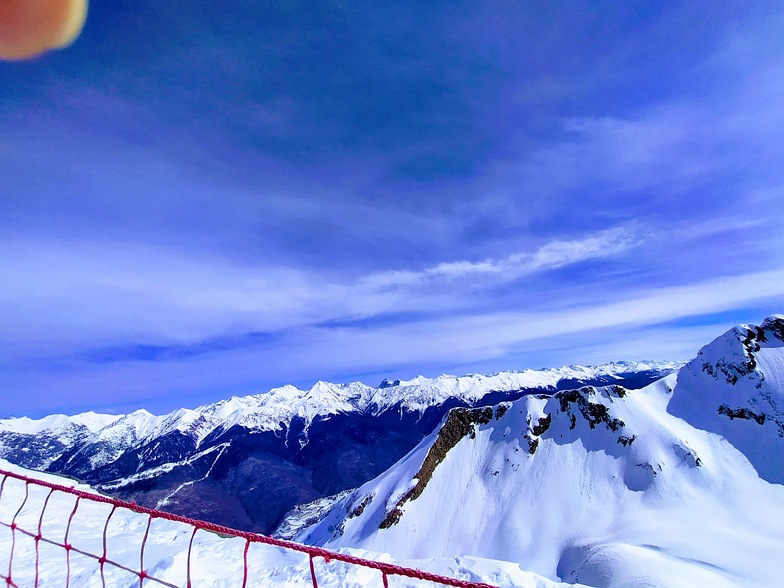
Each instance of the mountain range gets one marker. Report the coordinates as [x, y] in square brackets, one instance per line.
[245, 462]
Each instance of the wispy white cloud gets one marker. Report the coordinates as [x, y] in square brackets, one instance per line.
[481, 336]
[552, 255]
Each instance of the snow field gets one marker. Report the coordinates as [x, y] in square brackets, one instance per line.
[215, 561]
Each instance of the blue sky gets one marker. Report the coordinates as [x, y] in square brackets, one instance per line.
[202, 199]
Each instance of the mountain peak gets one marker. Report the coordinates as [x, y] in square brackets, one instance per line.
[774, 324]
[387, 383]
[735, 388]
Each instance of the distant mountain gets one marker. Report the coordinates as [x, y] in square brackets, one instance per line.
[246, 461]
[603, 486]
[37, 443]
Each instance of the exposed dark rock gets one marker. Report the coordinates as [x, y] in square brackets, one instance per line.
[626, 441]
[593, 412]
[460, 423]
[570, 396]
[733, 370]
[392, 518]
[542, 425]
[387, 383]
[775, 325]
[741, 413]
[360, 508]
[619, 391]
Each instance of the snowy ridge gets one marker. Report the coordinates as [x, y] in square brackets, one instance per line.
[247, 461]
[420, 392]
[91, 421]
[593, 485]
[38, 443]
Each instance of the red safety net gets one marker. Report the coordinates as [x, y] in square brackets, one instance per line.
[103, 560]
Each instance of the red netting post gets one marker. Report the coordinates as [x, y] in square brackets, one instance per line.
[142, 573]
[2, 487]
[313, 572]
[67, 545]
[13, 533]
[384, 578]
[39, 535]
[188, 564]
[245, 564]
[105, 555]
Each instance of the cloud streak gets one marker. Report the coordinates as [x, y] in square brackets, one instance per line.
[552, 255]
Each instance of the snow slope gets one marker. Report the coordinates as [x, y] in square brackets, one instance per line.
[598, 486]
[216, 562]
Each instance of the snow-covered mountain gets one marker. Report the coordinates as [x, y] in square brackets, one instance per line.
[277, 409]
[735, 388]
[37, 443]
[246, 461]
[600, 485]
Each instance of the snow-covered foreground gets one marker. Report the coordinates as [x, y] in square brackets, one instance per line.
[216, 562]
